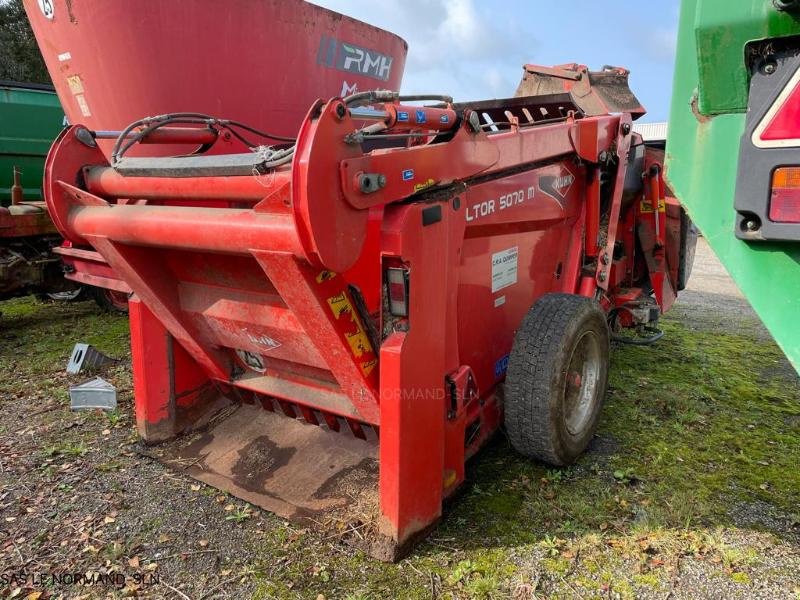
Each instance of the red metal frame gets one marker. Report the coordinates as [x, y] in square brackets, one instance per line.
[265, 287]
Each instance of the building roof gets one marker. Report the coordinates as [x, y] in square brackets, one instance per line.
[651, 132]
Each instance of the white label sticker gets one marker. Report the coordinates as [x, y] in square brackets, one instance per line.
[64, 56]
[47, 8]
[504, 269]
[499, 301]
[84, 106]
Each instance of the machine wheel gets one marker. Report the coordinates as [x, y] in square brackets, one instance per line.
[110, 300]
[76, 295]
[557, 377]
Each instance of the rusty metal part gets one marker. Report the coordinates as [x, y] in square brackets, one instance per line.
[27, 264]
[593, 92]
[17, 193]
[286, 466]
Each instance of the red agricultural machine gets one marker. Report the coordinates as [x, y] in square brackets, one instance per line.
[344, 311]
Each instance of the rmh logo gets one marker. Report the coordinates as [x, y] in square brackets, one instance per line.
[367, 62]
[354, 59]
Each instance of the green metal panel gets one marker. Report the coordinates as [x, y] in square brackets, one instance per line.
[30, 119]
[703, 152]
[721, 30]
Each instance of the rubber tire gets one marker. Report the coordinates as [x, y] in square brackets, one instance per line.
[536, 378]
[106, 303]
[80, 296]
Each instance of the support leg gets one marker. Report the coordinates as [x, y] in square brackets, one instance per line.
[413, 365]
[167, 383]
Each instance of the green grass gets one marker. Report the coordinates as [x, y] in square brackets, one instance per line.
[715, 406]
[45, 332]
[693, 426]
[72, 449]
[37, 340]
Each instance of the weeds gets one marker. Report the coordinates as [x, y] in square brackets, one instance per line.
[73, 449]
[699, 423]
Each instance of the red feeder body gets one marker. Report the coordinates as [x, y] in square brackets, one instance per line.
[353, 309]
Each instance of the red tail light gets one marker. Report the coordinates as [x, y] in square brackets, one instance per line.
[785, 203]
[780, 126]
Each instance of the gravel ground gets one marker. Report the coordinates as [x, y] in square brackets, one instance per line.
[78, 496]
[712, 301]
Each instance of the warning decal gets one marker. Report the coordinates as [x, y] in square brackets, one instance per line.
[504, 269]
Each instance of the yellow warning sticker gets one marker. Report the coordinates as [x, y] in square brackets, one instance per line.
[418, 187]
[75, 84]
[646, 206]
[358, 340]
[339, 305]
[367, 366]
[359, 343]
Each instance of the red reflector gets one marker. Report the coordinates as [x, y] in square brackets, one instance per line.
[397, 280]
[785, 124]
[784, 207]
[397, 292]
[780, 127]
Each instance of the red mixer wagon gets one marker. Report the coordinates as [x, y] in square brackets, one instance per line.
[328, 321]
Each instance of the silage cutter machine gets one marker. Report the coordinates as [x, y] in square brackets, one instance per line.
[342, 319]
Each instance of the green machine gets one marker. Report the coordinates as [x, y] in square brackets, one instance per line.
[30, 119]
[733, 153]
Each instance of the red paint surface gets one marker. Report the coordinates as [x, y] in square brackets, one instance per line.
[225, 275]
[262, 62]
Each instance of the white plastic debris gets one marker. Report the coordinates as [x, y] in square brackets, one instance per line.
[96, 393]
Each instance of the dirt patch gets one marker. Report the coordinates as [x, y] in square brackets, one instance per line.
[690, 490]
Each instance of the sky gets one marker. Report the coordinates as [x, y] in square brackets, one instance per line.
[475, 49]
